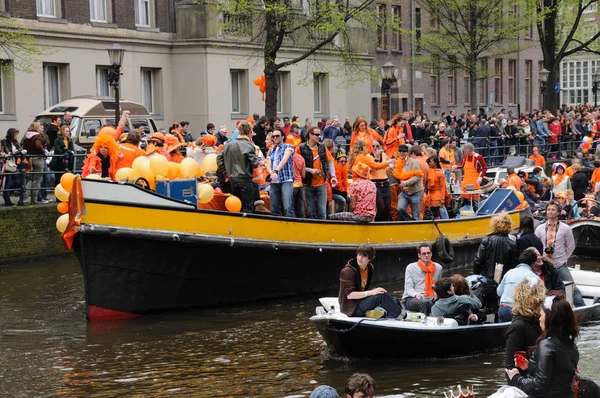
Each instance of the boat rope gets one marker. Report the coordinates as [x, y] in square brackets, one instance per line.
[343, 330]
[436, 225]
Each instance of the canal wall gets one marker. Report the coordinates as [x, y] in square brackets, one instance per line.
[29, 233]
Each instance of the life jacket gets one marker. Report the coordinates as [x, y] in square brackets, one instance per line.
[307, 154]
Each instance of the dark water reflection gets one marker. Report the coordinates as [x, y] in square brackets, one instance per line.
[48, 349]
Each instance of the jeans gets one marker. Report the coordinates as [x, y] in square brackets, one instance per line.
[384, 300]
[316, 202]
[444, 213]
[244, 190]
[420, 305]
[340, 203]
[34, 181]
[285, 191]
[414, 200]
[447, 175]
[46, 183]
[540, 142]
[505, 313]
[299, 202]
[565, 275]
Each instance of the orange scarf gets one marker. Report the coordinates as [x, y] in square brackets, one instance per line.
[405, 175]
[559, 178]
[429, 271]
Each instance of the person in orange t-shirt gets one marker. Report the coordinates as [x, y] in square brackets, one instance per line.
[359, 154]
[340, 192]
[537, 158]
[437, 194]
[596, 180]
[363, 132]
[129, 150]
[393, 137]
[513, 179]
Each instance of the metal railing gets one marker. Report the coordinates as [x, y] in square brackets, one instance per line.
[22, 174]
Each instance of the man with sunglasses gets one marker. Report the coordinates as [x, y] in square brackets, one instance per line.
[318, 162]
[279, 164]
[419, 279]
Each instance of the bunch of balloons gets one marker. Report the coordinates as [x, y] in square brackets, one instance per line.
[62, 193]
[261, 82]
[586, 144]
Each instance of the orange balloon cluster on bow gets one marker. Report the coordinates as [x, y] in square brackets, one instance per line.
[261, 82]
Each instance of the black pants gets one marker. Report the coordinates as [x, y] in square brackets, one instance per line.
[11, 182]
[244, 190]
[383, 300]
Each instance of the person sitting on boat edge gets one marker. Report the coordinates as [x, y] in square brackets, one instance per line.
[355, 296]
[450, 305]
[363, 193]
[419, 279]
[512, 278]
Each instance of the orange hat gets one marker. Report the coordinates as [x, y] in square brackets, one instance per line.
[293, 141]
[361, 170]
[158, 136]
[250, 119]
[561, 195]
[171, 140]
[209, 140]
[150, 149]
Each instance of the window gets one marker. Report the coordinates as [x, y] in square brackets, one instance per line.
[46, 8]
[418, 29]
[152, 90]
[381, 27]
[435, 89]
[239, 91]
[576, 81]
[98, 11]
[528, 86]
[91, 127]
[452, 87]
[396, 23]
[483, 82]
[103, 89]
[498, 81]
[143, 13]
[320, 89]
[512, 81]
[467, 88]
[56, 83]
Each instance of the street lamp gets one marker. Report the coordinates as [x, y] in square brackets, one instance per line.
[115, 55]
[595, 84]
[386, 84]
[544, 73]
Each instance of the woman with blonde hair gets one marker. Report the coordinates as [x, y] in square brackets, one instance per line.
[499, 247]
[65, 149]
[524, 329]
[359, 154]
[363, 132]
[33, 144]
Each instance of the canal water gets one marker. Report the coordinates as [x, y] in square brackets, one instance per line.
[48, 349]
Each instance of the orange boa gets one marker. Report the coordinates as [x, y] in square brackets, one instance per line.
[405, 175]
[559, 178]
[429, 270]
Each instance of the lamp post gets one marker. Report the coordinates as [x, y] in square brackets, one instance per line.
[386, 85]
[115, 55]
[595, 85]
[544, 73]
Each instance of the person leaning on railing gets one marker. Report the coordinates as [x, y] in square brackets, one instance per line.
[10, 150]
[33, 144]
[63, 153]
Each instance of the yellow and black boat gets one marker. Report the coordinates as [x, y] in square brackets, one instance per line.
[141, 252]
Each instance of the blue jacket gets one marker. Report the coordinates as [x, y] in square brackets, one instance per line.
[457, 307]
[511, 279]
[542, 129]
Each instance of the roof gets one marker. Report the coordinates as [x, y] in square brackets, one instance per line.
[94, 106]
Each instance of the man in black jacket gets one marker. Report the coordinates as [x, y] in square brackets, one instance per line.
[579, 182]
[497, 248]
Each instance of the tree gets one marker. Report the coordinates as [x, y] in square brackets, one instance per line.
[464, 34]
[312, 28]
[19, 46]
[561, 28]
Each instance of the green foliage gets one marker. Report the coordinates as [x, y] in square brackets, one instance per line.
[19, 46]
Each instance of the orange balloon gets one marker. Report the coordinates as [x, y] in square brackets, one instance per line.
[263, 89]
[67, 181]
[62, 207]
[257, 81]
[173, 171]
[233, 204]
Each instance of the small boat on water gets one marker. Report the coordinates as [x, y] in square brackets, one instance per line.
[430, 337]
[142, 252]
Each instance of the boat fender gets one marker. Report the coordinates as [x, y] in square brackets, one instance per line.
[444, 249]
[176, 238]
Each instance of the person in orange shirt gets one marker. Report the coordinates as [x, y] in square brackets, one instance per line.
[596, 180]
[129, 150]
[173, 145]
[437, 190]
[359, 154]
[103, 160]
[513, 179]
[393, 137]
[363, 132]
[569, 171]
[537, 158]
[381, 180]
[340, 192]
[446, 157]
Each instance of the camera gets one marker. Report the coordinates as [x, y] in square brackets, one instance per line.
[549, 250]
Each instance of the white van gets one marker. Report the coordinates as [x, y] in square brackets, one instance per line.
[91, 113]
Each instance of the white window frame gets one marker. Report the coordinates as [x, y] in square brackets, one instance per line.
[143, 74]
[576, 81]
[95, 6]
[99, 82]
[48, 102]
[156, 89]
[236, 88]
[140, 5]
[42, 11]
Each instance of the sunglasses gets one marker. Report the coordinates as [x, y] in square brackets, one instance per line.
[276, 136]
[316, 135]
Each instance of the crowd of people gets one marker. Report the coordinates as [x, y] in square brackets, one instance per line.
[410, 168]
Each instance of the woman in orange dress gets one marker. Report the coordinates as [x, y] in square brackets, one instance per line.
[364, 133]
[438, 192]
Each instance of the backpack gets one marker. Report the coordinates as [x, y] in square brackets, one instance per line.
[485, 290]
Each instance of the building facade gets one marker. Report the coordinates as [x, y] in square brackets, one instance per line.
[179, 62]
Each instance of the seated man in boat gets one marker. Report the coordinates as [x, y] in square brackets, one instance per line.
[450, 305]
[360, 385]
[356, 297]
[419, 280]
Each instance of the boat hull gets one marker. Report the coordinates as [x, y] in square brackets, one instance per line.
[370, 340]
[587, 237]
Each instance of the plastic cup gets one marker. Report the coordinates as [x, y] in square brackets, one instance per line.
[520, 359]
